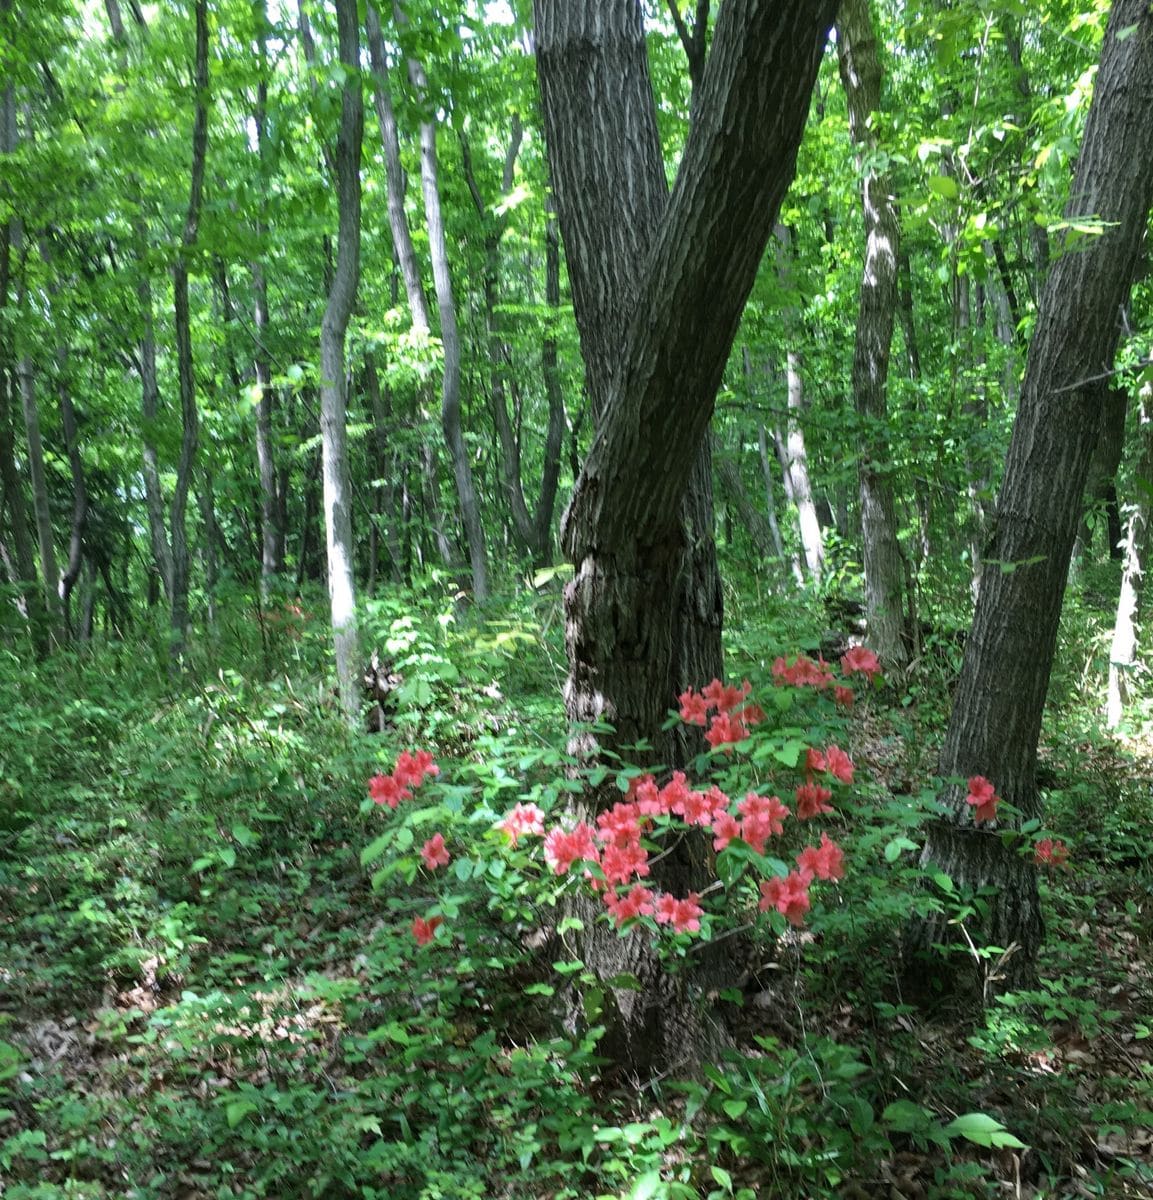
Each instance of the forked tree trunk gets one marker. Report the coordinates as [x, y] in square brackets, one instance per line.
[884, 566]
[333, 398]
[643, 611]
[996, 718]
[1133, 597]
[183, 321]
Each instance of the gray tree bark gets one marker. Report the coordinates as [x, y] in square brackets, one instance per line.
[658, 289]
[1123, 651]
[996, 718]
[190, 425]
[333, 398]
[883, 561]
[450, 403]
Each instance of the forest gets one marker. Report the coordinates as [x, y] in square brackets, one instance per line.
[572, 607]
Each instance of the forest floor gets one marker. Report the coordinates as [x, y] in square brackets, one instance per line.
[202, 995]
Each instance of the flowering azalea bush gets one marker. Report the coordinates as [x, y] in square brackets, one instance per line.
[612, 853]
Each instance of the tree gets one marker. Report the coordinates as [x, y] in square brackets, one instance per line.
[183, 322]
[333, 397]
[860, 66]
[996, 718]
[659, 284]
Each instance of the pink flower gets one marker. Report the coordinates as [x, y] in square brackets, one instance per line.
[725, 828]
[860, 660]
[815, 761]
[789, 896]
[843, 696]
[411, 768]
[434, 852]
[803, 673]
[839, 764]
[522, 819]
[812, 800]
[766, 810]
[981, 796]
[425, 930]
[726, 730]
[620, 825]
[1049, 853]
[694, 710]
[644, 793]
[826, 861]
[637, 902]
[562, 849]
[683, 915]
[621, 863]
[386, 789]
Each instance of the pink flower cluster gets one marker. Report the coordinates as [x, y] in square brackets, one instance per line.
[1050, 853]
[816, 673]
[983, 799]
[732, 719]
[410, 772]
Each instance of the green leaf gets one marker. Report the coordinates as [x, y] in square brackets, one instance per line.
[540, 989]
[244, 835]
[944, 186]
[735, 1108]
[228, 856]
[647, 1186]
[237, 1111]
[722, 1177]
[896, 846]
[906, 1117]
[983, 1130]
[376, 848]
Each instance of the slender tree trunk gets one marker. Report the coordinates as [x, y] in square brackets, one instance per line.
[1123, 652]
[24, 566]
[996, 718]
[79, 489]
[49, 573]
[149, 406]
[395, 176]
[450, 407]
[884, 566]
[921, 494]
[643, 612]
[771, 507]
[791, 449]
[271, 531]
[554, 438]
[1101, 487]
[183, 322]
[333, 399]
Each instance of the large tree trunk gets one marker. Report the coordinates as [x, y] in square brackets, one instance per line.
[1101, 487]
[183, 321]
[333, 399]
[996, 718]
[884, 565]
[658, 290]
[1123, 652]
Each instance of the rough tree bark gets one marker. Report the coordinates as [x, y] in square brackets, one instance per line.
[860, 68]
[333, 398]
[996, 717]
[643, 609]
[189, 418]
